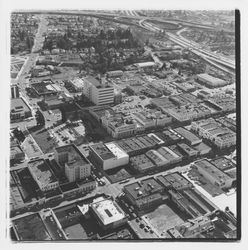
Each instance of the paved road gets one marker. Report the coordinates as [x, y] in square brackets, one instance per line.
[110, 189]
[194, 47]
[32, 57]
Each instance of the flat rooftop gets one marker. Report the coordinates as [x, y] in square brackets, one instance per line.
[223, 163]
[18, 105]
[167, 153]
[145, 64]
[42, 172]
[187, 149]
[93, 81]
[101, 111]
[97, 83]
[188, 135]
[143, 188]
[117, 151]
[176, 150]
[155, 138]
[102, 151]
[156, 157]
[212, 170]
[202, 146]
[31, 228]
[74, 155]
[209, 78]
[44, 87]
[168, 135]
[177, 181]
[163, 102]
[107, 211]
[141, 161]
[210, 125]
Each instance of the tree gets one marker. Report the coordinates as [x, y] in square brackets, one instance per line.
[40, 118]
[29, 42]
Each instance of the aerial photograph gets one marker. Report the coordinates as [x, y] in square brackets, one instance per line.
[123, 126]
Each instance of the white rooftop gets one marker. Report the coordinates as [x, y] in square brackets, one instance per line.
[117, 151]
[108, 211]
[78, 82]
[153, 135]
[145, 64]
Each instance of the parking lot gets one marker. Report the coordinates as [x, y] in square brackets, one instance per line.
[68, 132]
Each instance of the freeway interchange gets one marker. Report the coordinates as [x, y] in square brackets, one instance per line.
[216, 60]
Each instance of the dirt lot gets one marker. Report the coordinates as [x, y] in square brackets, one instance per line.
[163, 218]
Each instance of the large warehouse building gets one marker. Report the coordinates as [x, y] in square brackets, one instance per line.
[210, 81]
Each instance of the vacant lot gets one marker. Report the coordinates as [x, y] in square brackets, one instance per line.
[76, 232]
[163, 218]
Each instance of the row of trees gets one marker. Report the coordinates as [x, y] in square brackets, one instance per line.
[120, 38]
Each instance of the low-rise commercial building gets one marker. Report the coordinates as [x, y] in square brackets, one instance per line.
[141, 163]
[185, 86]
[19, 110]
[189, 151]
[157, 158]
[43, 175]
[170, 156]
[210, 81]
[202, 148]
[213, 174]
[108, 155]
[137, 145]
[145, 65]
[222, 137]
[222, 103]
[107, 213]
[191, 138]
[193, 228]
[189, 112]
[152, 118]
[115, 73]
[184, 99]
[16, 154]
[145, 194]
[119, 126]
[101, 111]
[185, 196]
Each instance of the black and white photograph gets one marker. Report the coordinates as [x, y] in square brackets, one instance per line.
[123, 125]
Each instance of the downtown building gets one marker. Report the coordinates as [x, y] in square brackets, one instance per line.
[74, 164]
[99, 92]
